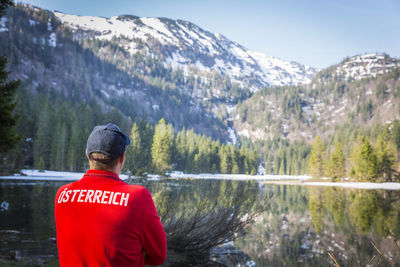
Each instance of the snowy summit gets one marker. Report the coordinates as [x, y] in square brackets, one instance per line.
[186, 46]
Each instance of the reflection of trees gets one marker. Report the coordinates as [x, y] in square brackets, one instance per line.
[30, 216]
[283, 234]
[363, 209]
[316, 204]
[42, 203]
[336, 202]
[17, 216]
[387, 218]
[376, 211]
[201, 215]
[368, 210]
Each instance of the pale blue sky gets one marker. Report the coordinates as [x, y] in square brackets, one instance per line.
[317, 33]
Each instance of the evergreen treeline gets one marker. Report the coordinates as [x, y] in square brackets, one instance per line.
[9, 137]
[162, 150]
[364, 162]
[280, 156]
[55, 130]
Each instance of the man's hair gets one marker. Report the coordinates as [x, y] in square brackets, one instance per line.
[102, 162]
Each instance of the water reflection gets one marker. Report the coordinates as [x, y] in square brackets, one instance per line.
[303, 224]
[201, 215]
[27, 221]
[293, 226]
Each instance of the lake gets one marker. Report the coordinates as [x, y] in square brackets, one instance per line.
[286, 225]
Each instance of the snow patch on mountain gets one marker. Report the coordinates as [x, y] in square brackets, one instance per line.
[53, 40]
[187, 46]
[366, 66]
[232, 135]
[3, 27]
[282, 72]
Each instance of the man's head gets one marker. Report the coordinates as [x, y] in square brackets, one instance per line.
[106, 147]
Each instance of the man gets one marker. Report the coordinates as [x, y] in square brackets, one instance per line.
[102, 221]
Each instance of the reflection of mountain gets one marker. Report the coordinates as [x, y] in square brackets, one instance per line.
[286, 232]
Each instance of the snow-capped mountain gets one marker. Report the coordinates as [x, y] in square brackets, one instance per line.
[366, 66]
[184, 45]
[360, 91]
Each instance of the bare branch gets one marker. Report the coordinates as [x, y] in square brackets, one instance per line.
[383, 256]
[334, 259]
[395, 242]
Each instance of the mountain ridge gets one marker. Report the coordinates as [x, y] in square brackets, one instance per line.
[223, 55]
[330, 103]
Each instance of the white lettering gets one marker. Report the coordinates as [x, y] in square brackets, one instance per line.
[103, 199]
[94, 196]
[60, 197]
[89, 195]
[81, 194]
[97, 196]
[111, 198]
[115, 197]
[67, 195]
[75, 191]
[124, 199]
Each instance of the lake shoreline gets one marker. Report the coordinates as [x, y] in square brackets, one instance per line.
[36, 175]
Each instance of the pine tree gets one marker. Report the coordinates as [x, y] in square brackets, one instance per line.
[336, 168]
[396, 134]
[162, 147]
[364, 161]
[9, 137]
[4, 4]
[386, 156]
[316, 164]
[43, 139]
[226, 160]
[282, 167]
[134, 152]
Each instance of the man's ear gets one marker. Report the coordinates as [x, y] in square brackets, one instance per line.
[87, 154]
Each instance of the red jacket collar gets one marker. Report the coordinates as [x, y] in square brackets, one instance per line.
[98, 173]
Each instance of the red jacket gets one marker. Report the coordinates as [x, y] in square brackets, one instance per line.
[102, 221]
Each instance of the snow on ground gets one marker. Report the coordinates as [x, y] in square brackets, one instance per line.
[244, 132]
[3, 27]
[33, 22]
[364, 66]
[232, 135]
[230, 58]
[36, 175]
[53, 40]
[113, 26]
[239, 177]
[386, 186]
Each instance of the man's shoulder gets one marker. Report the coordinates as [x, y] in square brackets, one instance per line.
[66, 186]
[138, 189]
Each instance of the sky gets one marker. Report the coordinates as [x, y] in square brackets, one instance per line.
[317, 33]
